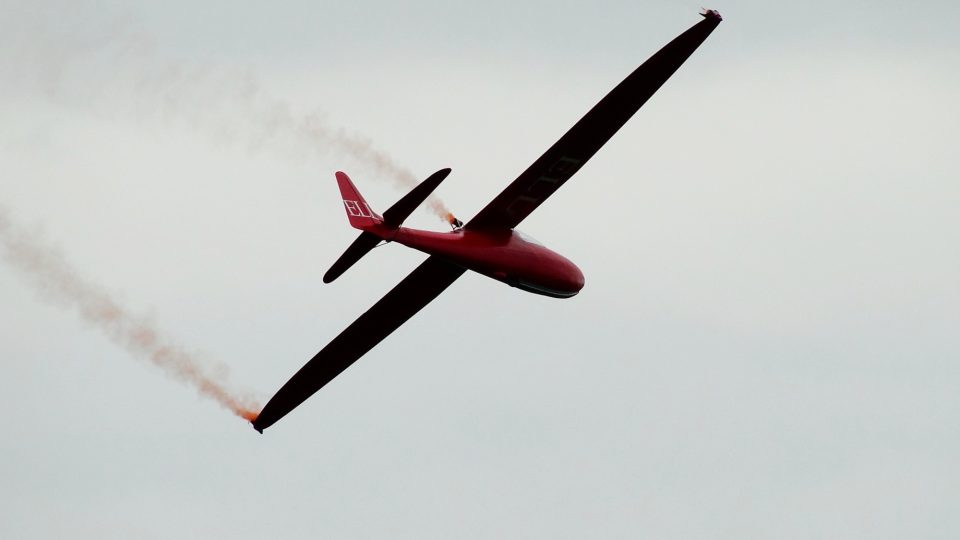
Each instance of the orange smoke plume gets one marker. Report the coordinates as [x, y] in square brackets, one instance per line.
[452, 220]
[51, 273]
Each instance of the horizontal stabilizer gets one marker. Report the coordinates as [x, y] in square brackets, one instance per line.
[405, 206]
[360, 247]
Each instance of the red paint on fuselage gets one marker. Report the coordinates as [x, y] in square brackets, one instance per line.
[502, 255]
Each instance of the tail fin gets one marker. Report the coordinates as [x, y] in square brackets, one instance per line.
[359, 212]
[375, 227]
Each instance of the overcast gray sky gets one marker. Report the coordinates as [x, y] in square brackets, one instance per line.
[766, 345]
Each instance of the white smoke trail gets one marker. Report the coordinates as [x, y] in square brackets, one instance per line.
[119, 68]
[52, 275]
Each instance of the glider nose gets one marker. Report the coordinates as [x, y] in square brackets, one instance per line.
[575, 277]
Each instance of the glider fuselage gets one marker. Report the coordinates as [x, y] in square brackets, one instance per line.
[505, 255]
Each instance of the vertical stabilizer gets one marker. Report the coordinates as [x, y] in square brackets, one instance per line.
[359, 212]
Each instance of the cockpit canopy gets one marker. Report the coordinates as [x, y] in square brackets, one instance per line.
[527, 238]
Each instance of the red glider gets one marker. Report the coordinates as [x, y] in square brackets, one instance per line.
[488, 243]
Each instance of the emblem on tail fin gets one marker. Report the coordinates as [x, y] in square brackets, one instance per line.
[358, 209]
[359, 213]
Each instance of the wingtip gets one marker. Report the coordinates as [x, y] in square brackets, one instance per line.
[711, 14]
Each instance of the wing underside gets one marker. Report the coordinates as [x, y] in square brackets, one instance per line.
[417, 290]
[582, 141]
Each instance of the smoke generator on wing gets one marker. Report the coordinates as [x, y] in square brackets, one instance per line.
[53, 276]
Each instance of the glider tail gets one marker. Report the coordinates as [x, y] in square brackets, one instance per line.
[374, 226]
[359, 213]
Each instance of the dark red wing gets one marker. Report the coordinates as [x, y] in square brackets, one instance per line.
[409, 296]
[568, 154]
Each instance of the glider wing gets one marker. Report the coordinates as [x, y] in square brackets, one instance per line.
[568, 154]
[417, 290]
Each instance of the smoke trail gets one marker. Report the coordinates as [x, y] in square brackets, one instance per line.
[55, 278]
[118, 72]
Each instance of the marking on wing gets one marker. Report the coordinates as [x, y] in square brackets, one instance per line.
[544, 186]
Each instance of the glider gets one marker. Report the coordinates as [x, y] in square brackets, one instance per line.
[488, 244]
